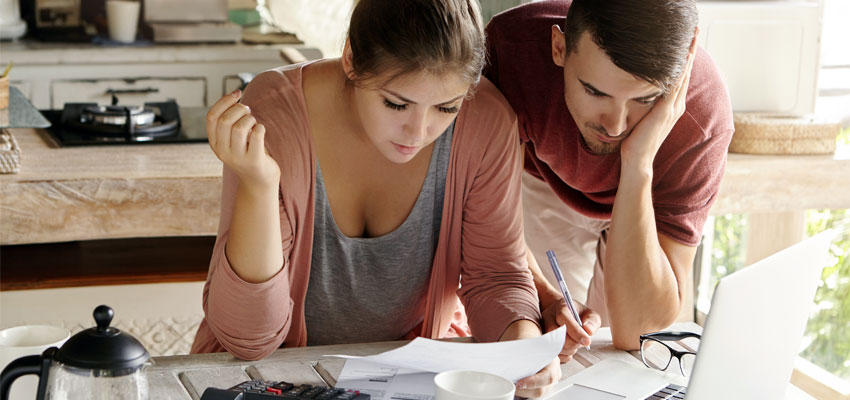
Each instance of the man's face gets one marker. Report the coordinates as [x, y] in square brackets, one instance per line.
[605, 101]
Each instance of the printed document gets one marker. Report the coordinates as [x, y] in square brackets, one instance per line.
[407, 373]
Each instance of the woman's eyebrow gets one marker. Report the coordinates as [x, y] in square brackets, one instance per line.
[406, 100]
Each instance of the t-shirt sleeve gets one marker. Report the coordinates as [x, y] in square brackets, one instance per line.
[696, 149]
[500, 50]
[491, 67]
[251, 320]
[684, 195]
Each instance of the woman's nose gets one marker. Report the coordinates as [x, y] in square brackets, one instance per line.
[417, 129]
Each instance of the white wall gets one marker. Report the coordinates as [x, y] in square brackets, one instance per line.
[322, 24]
[834, 78]
[162, 316]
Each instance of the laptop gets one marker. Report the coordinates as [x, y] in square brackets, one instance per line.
[750, 341]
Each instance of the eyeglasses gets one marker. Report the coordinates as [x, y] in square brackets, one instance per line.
[657, 354]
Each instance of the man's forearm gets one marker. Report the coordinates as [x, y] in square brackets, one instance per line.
[641, 289]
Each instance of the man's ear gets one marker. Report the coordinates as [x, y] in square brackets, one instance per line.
[348, 60]
[559, 52]
[694, 40]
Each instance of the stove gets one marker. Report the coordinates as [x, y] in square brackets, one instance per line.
[90, 124]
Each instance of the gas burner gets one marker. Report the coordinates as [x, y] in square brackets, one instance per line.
[169, 125]
[116, 123]
[117, 115]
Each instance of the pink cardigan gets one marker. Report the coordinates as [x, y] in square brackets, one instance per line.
[480, 246]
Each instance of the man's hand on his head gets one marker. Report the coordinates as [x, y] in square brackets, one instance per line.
[639, 149]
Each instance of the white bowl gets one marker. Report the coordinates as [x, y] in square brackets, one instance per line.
[472, 385]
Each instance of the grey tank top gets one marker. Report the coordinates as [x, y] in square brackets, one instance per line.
[373, 289]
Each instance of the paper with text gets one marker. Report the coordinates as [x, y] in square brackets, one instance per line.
[407, 373]
[384, 382]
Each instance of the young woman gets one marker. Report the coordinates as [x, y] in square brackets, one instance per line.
[363, 195]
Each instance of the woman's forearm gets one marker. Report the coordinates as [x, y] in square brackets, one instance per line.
[254, 244]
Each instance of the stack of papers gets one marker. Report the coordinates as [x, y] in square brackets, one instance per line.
[408, 372]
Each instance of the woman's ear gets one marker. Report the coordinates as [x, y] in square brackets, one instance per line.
[348, 60]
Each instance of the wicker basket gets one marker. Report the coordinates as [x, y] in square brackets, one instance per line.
[10, 153]
[767, 134]
[4, 92]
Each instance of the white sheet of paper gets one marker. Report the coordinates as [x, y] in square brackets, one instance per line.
[384, 382]
[514, 360]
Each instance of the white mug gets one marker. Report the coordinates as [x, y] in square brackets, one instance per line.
[472, 385]
[122, 17]
[23, 341]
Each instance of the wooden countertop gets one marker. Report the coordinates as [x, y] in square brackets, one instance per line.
[102, 192]
[767, 183]
[44, 161]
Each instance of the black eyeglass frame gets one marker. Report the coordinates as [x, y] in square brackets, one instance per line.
[668, 336]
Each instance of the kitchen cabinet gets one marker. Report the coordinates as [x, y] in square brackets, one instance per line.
[50, 74]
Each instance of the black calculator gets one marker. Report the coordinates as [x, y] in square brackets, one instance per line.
[266, 390]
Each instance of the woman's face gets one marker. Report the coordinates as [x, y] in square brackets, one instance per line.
[410, 112]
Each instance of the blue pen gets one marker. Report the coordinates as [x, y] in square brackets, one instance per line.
[564, 291]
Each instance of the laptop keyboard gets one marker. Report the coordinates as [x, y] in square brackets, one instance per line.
[670, 392]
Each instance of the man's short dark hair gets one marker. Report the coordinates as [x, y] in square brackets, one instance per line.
[646, 38]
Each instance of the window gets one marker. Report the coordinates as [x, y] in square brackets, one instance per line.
[826, 343]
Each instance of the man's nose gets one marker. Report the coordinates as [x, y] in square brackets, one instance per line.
[615, 121]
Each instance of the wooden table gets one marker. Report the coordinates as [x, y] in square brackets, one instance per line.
[186, 377]
[106, 192]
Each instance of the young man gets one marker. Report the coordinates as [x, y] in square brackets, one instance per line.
[625, 125]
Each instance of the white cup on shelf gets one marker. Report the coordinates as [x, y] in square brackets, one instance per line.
[27, 340]
[472, 385]
[123, 18]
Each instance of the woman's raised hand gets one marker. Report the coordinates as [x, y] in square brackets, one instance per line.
[239, 141]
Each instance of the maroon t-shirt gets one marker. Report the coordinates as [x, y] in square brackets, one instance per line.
[687, 169]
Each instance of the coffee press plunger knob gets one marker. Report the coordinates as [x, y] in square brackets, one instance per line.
[103, 316]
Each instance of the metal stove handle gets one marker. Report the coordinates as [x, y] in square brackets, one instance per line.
[132, 91]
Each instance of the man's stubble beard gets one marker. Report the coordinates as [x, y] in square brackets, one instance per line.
[598, 147]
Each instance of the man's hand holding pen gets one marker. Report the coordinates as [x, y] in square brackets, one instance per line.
[581, 324]
[556, 314]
